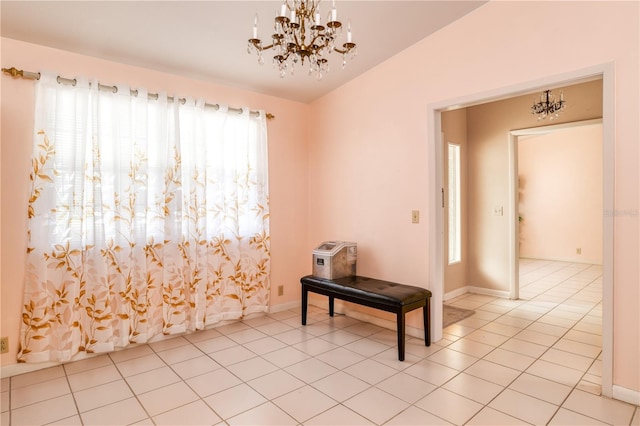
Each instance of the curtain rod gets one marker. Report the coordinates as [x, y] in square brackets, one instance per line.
[62, 80]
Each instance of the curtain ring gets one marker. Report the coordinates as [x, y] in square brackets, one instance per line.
[59, 80]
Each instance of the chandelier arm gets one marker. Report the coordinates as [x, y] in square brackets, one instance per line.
[316, 37]
[346, 49]
[264, 47]
[312, 10]
[316, 49]
[295, 39]
[285, 56]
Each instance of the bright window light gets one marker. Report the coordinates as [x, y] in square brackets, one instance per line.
[455, 231]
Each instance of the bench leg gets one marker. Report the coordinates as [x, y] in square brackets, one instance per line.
[426, 311]
[305, 294]
[331, 299]
[400, 335]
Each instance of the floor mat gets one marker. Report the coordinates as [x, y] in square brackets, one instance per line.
[453, 314]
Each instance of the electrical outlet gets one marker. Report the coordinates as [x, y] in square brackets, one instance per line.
[415, 216]
[4, 345]
[578, 251]
[280, 290]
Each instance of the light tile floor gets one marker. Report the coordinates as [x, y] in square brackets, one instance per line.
[530, 361]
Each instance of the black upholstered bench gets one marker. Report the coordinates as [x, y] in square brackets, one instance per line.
[378, 294]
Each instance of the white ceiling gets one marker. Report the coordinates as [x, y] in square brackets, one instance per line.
[207, 40]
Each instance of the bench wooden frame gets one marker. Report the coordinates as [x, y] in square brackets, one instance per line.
[378, 294]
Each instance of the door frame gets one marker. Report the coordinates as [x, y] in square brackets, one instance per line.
[514, 199]
[436, 184]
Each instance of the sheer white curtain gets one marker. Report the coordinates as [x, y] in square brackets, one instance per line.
[146, 217]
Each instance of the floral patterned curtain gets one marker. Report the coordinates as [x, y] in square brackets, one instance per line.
[146, 217]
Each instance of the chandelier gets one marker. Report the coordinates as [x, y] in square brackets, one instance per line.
[548, 106]
[300, 36]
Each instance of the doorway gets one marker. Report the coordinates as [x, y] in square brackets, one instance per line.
[436, 185]
[574, 192]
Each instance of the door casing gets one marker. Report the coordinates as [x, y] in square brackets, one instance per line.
[436, 184]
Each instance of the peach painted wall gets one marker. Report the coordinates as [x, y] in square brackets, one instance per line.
[288, 179]
[560, 177]
[368, 156]
[488, 127]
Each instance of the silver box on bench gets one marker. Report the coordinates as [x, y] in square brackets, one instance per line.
[335, 259]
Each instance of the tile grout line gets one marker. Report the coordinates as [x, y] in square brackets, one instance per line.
[537, 359]
[574, 388]
[576, 291]
[73, 395]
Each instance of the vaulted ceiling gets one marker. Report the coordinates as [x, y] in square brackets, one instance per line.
[207, 40]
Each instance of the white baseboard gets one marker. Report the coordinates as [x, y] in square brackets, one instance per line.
[626, 395]
[341, 308]
[381, 322]
[284, 306]
[565, 260]
[455, 293]
[21, 368]
[476, 290]
[504, 294]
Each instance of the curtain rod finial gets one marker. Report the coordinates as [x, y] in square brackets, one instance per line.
[13, 72]
[270, 116]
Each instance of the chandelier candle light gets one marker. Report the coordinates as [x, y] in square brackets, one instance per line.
[299, 35]
[548, 106]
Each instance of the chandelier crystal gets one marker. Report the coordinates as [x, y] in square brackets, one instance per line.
[300, 36]
[548, 106]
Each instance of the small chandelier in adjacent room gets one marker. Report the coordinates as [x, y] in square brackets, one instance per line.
[300, 36]
[548, 106]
